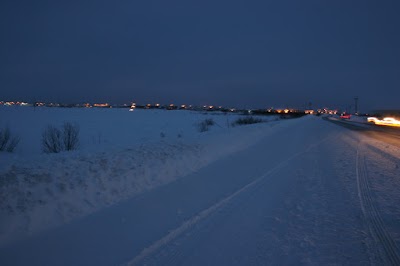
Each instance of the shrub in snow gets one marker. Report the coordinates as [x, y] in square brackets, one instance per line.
[205, 125]
[247, 121]
[70, 136]
[8, 142]
[54, 140]
[209, 122]
[293, 115]
[51, 140]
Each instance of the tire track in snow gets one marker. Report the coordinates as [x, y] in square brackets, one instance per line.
[173, 234]
[371, 213]
[194, 220]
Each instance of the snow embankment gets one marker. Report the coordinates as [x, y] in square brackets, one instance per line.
[44, 191]
[34, 196]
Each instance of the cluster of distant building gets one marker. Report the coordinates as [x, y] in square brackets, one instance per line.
[133, 106]
[15, 103]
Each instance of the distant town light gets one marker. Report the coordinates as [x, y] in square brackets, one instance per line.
[309, 112]
[101, 105]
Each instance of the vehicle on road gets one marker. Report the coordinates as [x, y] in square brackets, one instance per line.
[345, 116]
[387, 121]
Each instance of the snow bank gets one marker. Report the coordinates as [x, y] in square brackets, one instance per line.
[56, 189]
[130, 156]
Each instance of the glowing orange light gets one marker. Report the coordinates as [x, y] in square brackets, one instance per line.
[101, 105]
[387, 121]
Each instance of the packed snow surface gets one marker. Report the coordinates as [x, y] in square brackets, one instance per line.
[286, 192]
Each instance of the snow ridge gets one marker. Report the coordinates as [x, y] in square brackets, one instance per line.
[53, 192]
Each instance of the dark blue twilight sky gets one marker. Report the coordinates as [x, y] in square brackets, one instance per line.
[237, 53]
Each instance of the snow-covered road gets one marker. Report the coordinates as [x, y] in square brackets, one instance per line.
[313, 193]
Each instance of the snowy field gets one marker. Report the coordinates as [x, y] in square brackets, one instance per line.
[120, 154]
[300, 191]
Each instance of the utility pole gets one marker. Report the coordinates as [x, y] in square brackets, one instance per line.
[356, 105]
